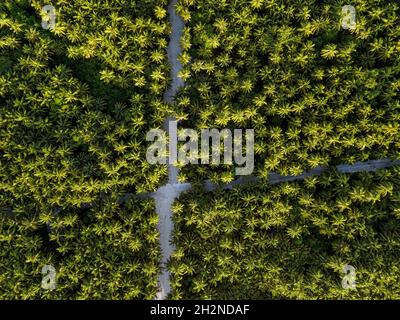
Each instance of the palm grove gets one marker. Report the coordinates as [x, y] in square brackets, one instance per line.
[75, 106]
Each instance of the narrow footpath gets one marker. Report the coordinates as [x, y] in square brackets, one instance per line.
[166, 195]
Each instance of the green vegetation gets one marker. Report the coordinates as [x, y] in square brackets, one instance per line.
[76, 103]
[75, 106]
[290, 241]
[108, 251]
[315, 94]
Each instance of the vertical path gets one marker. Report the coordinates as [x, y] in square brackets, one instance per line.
[166, 195]
[174, 51]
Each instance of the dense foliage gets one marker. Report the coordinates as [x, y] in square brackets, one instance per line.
[76, 102]
[75, 105]
[108, 251]
[290, 240]
[314, 93]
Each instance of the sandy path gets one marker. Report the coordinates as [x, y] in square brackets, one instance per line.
[166, 195]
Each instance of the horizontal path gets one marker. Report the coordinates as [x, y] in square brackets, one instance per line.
[273, 178]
